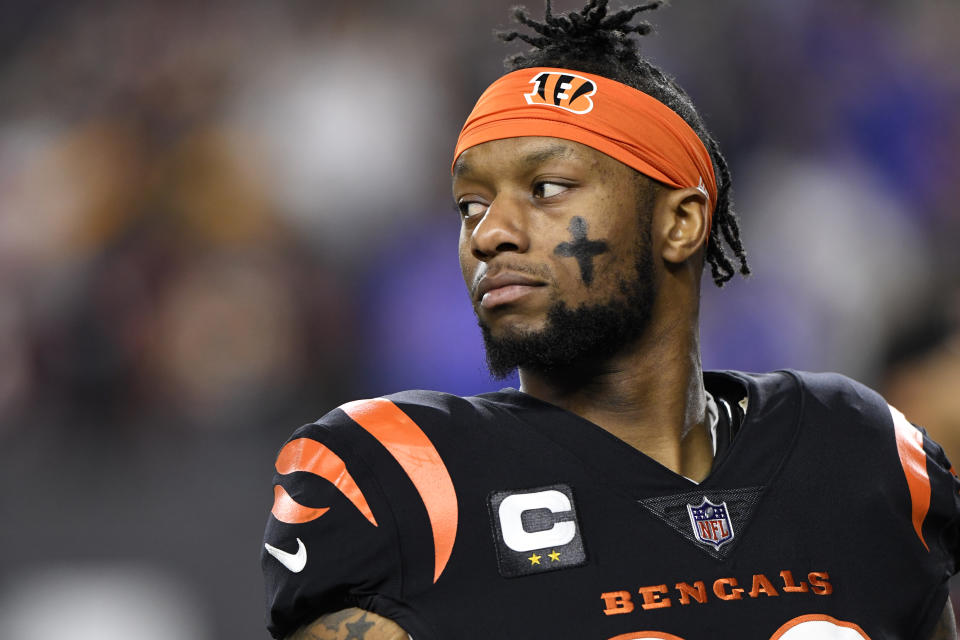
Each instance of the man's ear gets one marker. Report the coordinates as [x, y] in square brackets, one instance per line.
[683, 224]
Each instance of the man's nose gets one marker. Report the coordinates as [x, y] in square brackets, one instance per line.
[502, 228]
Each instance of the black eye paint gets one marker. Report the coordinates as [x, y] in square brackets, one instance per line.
[582, 249]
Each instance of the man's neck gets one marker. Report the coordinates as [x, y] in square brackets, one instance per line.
[649, 395]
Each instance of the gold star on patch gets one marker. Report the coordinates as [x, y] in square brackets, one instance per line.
[555, 556]
[534, 559]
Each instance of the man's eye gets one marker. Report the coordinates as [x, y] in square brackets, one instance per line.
[469, 208]
[548, 189]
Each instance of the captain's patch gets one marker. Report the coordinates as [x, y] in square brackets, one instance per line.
[536, 530]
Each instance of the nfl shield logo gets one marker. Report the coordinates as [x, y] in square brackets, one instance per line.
[711, 523]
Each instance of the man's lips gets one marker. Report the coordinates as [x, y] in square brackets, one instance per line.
[503, 288]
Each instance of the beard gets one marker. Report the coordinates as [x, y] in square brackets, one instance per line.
[585, 334]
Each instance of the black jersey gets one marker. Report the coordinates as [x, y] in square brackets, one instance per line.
[826, 515]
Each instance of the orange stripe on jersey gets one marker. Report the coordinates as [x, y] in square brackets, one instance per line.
[913, 459]
[411, 447]
[286, 509]
[646, 635]
[304, 454]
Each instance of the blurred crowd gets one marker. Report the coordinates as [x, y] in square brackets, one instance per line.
[220, 220]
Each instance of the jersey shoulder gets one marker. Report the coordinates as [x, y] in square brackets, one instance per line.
[850, 427]
[833, 397]
[362, 430]
[368, 495]
[831, 403]
[836, 392]
[428, 410]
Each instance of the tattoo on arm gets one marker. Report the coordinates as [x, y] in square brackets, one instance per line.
[334, 621]
[581, 248]
[351, 624]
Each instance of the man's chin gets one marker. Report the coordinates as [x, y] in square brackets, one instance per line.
[568, 337]
[507, 348]
[511, 332]
[539, 350]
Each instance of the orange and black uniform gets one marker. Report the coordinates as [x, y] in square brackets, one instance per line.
[826, 515]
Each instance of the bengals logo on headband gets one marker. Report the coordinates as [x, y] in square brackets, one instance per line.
[565, 90]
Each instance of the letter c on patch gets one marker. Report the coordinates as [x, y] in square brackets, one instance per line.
[511, 520]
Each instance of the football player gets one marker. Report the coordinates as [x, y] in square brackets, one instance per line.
[621, 493]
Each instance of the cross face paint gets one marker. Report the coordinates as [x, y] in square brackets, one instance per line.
[581, 248]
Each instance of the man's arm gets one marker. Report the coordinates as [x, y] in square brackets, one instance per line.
[357, 624]
[947, 626]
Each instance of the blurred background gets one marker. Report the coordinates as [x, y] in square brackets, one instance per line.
[220, 220]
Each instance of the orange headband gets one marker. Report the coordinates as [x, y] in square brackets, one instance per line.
[620, 121]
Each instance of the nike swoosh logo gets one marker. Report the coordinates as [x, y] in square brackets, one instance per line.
[293, 561]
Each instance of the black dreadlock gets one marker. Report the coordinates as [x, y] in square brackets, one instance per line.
[594, 42]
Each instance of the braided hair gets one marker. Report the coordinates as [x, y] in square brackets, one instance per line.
[594, 42]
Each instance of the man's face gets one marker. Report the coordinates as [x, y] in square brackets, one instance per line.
[555, 251]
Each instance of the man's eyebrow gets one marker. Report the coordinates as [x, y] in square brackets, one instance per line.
[462, 168]
[548, 153]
